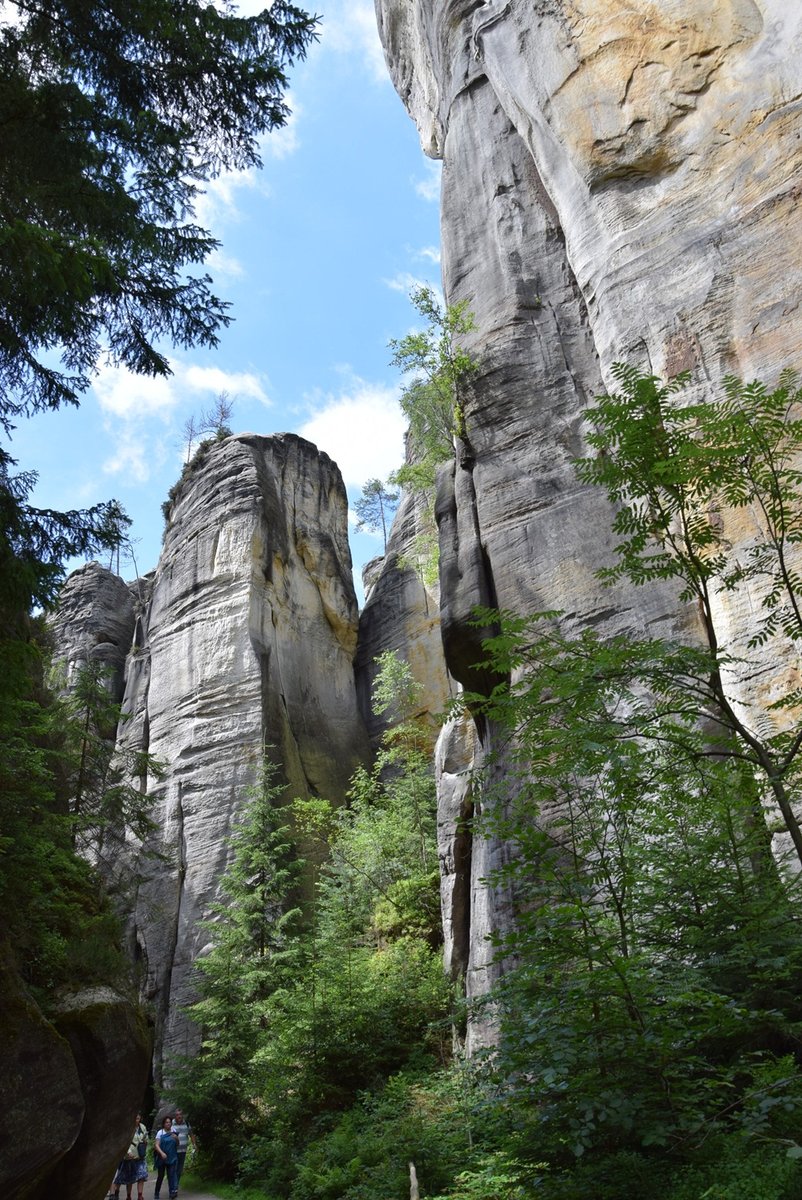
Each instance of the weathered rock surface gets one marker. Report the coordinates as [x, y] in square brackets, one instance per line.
[402, 615]
[111, 1047]
[247, 645]
[66, 1089]
[620, 181]
[36, 1064]
[94, 623]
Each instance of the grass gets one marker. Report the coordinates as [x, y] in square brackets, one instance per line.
[191, 1181]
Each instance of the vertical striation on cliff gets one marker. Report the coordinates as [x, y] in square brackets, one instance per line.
[246, 647]
[620, 182]
[402, 615]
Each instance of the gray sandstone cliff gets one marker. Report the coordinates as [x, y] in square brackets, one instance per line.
[248, 644]
[245, 646]
[402, 615]
[620, 181]
[94, 623]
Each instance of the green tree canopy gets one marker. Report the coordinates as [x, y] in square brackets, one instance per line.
[432, 400]
[678, 473]
[113, 116]
[375, 507]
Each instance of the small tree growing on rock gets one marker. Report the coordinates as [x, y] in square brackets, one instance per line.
[375, 508]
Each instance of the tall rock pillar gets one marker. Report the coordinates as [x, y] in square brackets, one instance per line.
[245, 648]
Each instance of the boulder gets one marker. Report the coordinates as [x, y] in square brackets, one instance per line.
[41, 1100]
[69, 1087]
[111, 1047]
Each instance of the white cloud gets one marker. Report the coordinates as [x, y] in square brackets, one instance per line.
[212, 379]
[430, 253]
[220, 199]
[224, 266]
[126, 395]
[428, 188]
[131, 403]
[349, 27]
[132, 397]
[406, 282]
[135, 455]
[363, 431]
[283, 142]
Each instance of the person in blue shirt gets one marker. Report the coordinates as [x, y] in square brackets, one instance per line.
[166, 1148]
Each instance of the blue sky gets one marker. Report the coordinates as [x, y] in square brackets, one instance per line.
[320, 250]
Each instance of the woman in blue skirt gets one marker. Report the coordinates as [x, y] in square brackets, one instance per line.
[134, 1168]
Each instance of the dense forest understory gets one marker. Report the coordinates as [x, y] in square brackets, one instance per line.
[644, 1036]
[647, 1021]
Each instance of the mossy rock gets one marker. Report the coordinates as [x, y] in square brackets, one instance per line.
[41, 1099]
[69, 1088]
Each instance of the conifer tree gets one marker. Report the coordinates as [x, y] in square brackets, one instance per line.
[253, 951]
[114, 115]
[106, 787]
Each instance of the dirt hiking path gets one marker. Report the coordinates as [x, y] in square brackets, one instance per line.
[186, 1195]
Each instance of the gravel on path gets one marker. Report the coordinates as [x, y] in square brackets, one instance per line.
[185, 1195]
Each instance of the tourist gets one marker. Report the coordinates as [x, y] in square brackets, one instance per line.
[166, 1147]
[134, 1168]
[183, 1128]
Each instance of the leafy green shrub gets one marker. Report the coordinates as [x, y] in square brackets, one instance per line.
[417, 1117]
[188, 470]
[740, 1170]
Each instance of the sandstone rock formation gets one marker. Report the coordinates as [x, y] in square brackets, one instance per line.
[620, 182]
[64, 1113]
[94, 622]
[246, 647]
[111, 1047]
[402, 615]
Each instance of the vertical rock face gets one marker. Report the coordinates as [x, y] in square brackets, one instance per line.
[620, 181]
[402, 615]
[246, 647]
[250, 642]
[94, 623]
[666, 139]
